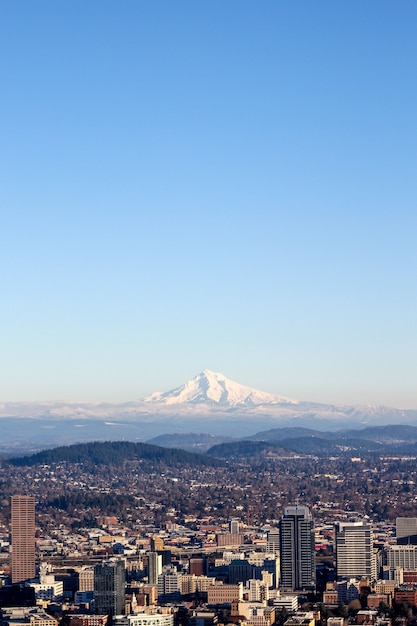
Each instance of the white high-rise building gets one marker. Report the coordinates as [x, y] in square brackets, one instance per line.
[46, 587]
[402, 556]
[354, 551]
[169, 582]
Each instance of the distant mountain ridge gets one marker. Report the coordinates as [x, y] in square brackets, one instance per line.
[285, 443]
[209, 403]
[395, 439]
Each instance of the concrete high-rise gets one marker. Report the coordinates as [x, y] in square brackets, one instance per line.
[109, 588]
[354, 550]
[402, 556]
[406, 530]
[298, 567]
[154, 567]
[234, 526]
[272, 541]
[23, 538]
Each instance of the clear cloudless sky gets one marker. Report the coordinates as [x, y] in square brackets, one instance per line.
[228, 185]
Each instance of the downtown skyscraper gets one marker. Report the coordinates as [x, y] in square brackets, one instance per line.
[354, 550]
[109, 588]
[23, 564]
[298, 566]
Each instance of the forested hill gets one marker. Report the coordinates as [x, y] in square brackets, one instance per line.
[116, 453]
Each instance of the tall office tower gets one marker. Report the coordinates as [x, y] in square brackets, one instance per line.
[154, 567]
[109, 588]
[354, 550]
[234, 526]
[298, 567]
[406, 531]
[272, 541]
[169, 584]
[23, 538]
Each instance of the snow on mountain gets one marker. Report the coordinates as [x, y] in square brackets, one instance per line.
[215, 389]
[209, 401]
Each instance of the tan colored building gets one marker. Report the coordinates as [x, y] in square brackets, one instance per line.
[385, 587]
[224, 594]
[255, 613]
[147, 618]
[157, 543]
[229, 539]
[86, 579]
[188, 584]
[33, 616]
[23, 538]
[88, 620]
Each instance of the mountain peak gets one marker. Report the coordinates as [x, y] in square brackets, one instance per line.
[215, 389]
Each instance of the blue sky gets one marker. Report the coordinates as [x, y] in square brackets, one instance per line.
[223, 185]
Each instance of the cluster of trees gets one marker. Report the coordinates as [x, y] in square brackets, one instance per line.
[114, 453]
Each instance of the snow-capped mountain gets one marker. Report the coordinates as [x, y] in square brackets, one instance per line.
[215, 389]
[209, 403]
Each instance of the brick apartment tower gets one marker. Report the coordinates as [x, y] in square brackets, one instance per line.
[23, 538]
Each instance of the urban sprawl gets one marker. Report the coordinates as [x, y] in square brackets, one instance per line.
[294, 542]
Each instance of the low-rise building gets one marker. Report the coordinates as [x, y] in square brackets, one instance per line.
[88, 620]
[22, 616]
[289, 602]
[220, 593]
[149, 618]
[407, 595]
[203, 618]
[301, 619]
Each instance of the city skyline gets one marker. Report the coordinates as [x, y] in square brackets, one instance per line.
[216, 186]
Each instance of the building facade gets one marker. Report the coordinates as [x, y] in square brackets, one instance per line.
[406, 530]
[109, 588]
[154, 567]
[297, 563]
[402, 556]
[272, 541]
[224, 594]
[23, 563]
[148, 618]
[354, 551]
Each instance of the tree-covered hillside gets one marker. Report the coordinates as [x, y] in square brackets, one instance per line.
[115, 453]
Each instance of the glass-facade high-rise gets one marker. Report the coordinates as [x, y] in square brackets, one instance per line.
[109, 588]
[298, 567]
